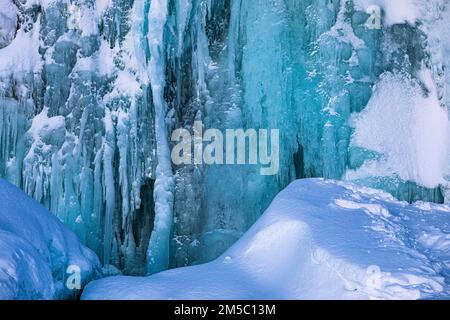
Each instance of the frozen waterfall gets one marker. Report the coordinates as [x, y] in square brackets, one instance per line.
[90, 92]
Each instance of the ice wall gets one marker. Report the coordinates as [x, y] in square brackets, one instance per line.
[77, 122]
[90, 92]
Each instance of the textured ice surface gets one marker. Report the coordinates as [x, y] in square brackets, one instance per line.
[36, 250]
[319, 239]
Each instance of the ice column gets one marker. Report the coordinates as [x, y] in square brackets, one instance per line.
[158, 249]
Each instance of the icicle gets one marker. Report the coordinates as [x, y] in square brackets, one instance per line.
[158, 249]
[109, 192]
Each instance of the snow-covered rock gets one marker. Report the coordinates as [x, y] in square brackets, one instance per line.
[318, 239]
[8, 22]
[39, 257]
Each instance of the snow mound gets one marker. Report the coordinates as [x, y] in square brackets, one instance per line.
[318, 240]
[38, 254]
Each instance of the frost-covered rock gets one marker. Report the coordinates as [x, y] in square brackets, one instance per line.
[8, 22]
[319, 239]
[38, 254]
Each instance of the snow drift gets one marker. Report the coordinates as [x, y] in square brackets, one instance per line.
[318, 239]
[37, 252]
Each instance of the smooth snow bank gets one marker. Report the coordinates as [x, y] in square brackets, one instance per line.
[36, 250]
[318, 240]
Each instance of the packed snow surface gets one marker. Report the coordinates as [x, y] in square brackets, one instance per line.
[319, 239]
[38, 254]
